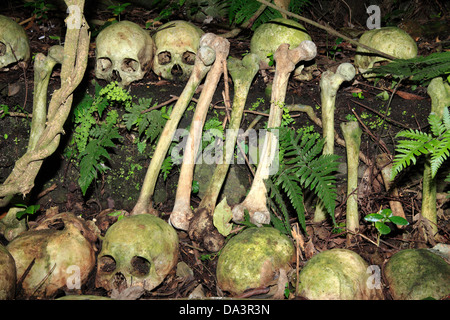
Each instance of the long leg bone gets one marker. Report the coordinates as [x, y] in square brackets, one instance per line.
[329, 85]
[285, 60]
[181, 213]
[204, 59]
[201, 226]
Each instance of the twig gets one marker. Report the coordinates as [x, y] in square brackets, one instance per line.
[253, 292]
[162, 104]
[328, 29]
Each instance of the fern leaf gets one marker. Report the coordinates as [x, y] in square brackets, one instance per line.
[440, 154]
[275, 194]
[421, 69]
[291, 186]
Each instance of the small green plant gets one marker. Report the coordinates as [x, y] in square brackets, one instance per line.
[172, 6]
[148, 120]
[28, 210]
[40, 9]
[335, 49]
[241, 11]
[95, 155]
[382, 217]
[118, 9]
[119, 214]
[358, 95]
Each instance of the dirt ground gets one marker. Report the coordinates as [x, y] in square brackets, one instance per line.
[56, 184]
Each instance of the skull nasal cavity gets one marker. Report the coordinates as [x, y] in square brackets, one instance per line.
[2, 49]
[115, 76]
[188, 58]
[107, 264]
[176, 70]
[140, 265]
[164, 57]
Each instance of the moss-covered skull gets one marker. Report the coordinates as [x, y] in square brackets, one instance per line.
[337, 274]
[14, 44]
[61, 252]
[253, 258]
[417, 274]
[137, 250]
[176, 44]
[390, 40]
[269, 36]
[124, 53]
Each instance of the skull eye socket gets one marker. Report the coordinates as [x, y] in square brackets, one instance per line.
[103, 64]
[2, 49]
[164, 57]
[57, 224]
[188, 58]
[129, 65]
[107, 264]
[140, 266]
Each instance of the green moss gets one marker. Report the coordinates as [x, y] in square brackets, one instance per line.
[252, 258]
[416, 274]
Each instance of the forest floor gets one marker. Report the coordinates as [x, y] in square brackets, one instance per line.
[118, 188]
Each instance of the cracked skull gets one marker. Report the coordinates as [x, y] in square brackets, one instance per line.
[14, 44]
[176, 44]
[138, 250]
[124, 53]
[60, 252]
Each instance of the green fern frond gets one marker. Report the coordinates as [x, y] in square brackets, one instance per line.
[291, 186]
[440, 153]
[417, 143]
[240, 11]
[274, 194]
[303, 166]
[421, 69]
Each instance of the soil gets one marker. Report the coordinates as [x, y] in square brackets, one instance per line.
[118, 188]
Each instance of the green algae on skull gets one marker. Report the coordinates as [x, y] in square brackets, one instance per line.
[416, 274]
[269, 36]
[391, 40]
[14, 43]
[252, 258]
[337, 274]
[142, 249]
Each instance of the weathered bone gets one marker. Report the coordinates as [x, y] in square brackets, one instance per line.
[352, 135]
[204, 59]
[285, 60]
[201, 227]
[181, 213]
[329, 85]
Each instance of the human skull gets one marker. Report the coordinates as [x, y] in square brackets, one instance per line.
[337, 274]
[253, 258]
[270, 35]
[7, 274]
[124, 53]
[137, 250]
[176, 44]
[63, 256]
[14, 44]
[390, 40]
